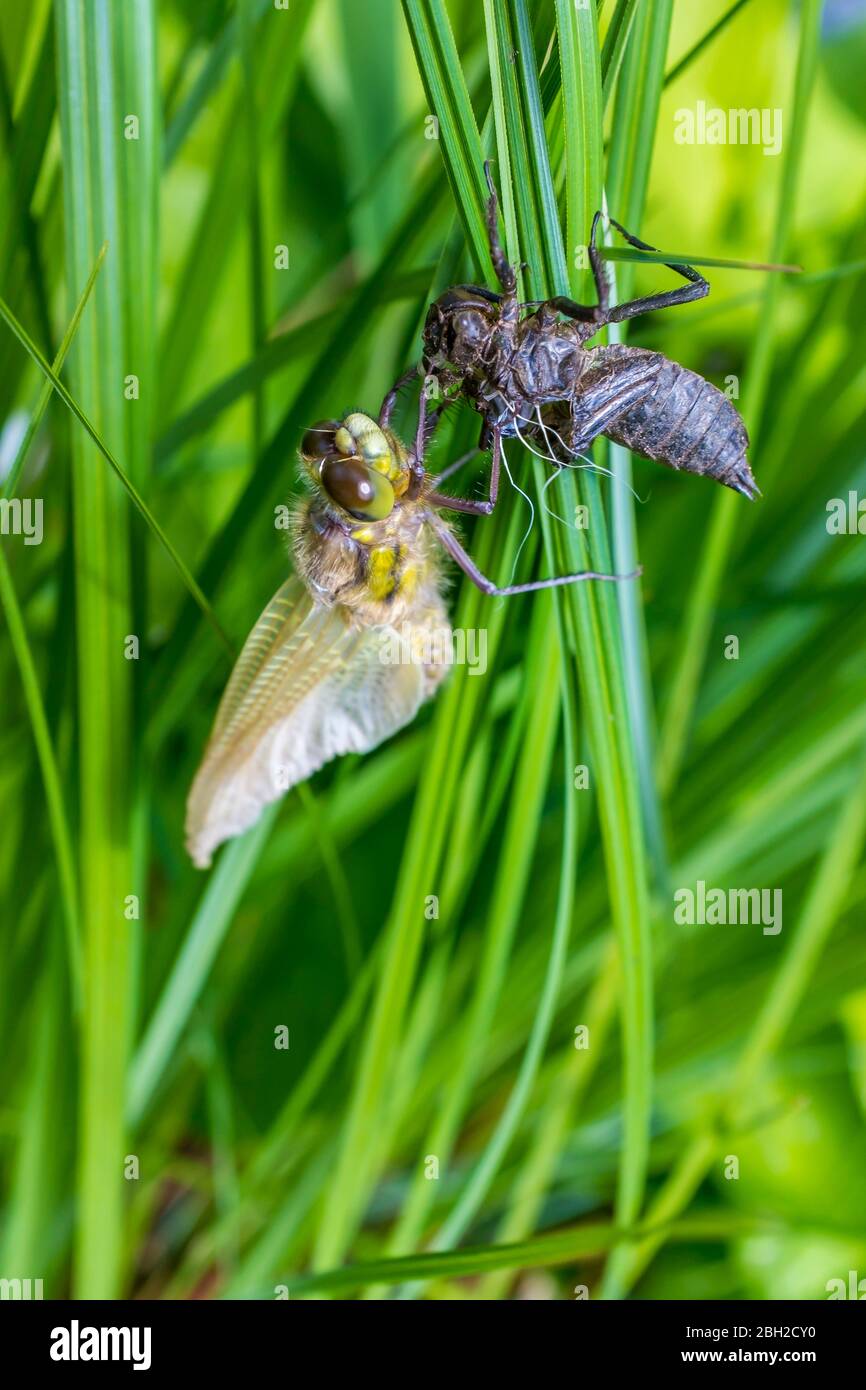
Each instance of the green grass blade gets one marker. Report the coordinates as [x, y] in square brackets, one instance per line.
[201, 944]
[227, 198]
[135, 496]
[517, 849]
[699, 617]
[821, 909]
[603, 625]
[57, 817]
[11, 483]
[703, 42]
[445, 86]
[562, 1247]
[503, 1134]
[90, 133]
[615, 41]
[570, 1085]
[626, 253]
[582, 69]
[637, 107]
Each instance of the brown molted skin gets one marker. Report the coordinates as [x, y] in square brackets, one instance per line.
[530, 374]
[683, 422]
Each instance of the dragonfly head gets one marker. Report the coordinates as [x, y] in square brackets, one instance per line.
[458, 327]
[360, 468]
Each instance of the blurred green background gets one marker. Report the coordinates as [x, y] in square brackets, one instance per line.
[431, 1107]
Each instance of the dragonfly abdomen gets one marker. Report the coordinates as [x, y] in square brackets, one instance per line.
[685, 423]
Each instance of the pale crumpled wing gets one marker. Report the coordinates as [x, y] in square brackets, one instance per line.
[306, 688]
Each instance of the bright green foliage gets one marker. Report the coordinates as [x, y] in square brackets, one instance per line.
[508, 1061]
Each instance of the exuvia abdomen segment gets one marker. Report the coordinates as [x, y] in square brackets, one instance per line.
[683, 421]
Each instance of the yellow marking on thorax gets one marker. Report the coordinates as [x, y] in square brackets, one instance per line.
[381, 577]
[408, 580]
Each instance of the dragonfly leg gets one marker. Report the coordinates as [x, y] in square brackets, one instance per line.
[421, 440]
[697, 288]
[386, 410]
[455, 466]
[467, 505]
[451, 544]
[588, 313]
[505, 273]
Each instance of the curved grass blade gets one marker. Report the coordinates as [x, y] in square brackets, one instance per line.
[135, 496]
[45, 393]
[697, 49]
[18, 635]
[626, 253]
[614, 44]
[549, 1251]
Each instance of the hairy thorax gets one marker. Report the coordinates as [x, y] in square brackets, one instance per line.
[379, 573]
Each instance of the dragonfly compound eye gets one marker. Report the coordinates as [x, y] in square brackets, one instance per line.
[319, 442]
[361, 491]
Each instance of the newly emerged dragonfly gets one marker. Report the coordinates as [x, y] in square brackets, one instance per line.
[530, 375]
[350, 647]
